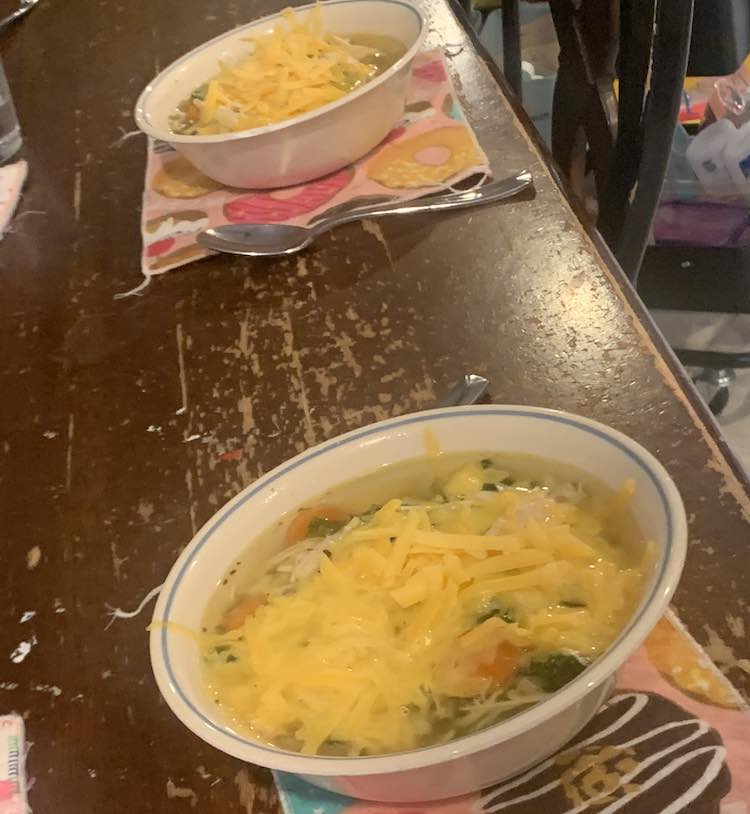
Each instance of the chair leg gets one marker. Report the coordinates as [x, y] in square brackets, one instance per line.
[713, 386]
[636, 26]
[583, 103]
[512, 44]
[669, 61]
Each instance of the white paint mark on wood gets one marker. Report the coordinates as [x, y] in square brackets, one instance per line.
[117, 560]
[245, 345]
[69, 452]
[191, 501]
[718, 650]
[145, 510]
[77, 190]
[33, 557]
[736, 625]
[298, 380]
[373, 228]
[181, 792]
[48, 688]
[245, 407]
[245, 790]
[22, 650]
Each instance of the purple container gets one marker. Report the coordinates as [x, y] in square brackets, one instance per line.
[702, 223]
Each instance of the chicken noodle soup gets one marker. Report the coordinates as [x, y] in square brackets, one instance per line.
[421, 603]
[293, 70]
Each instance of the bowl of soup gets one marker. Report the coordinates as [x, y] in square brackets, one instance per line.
[288, 98]
[422, 607]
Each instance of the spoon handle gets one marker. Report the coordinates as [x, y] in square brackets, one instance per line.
[468, 390]
[494, 191]
[19, 12]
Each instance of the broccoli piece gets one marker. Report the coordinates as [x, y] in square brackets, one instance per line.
[370, 513]
[224, 652]
[200, 92]
[486, 463]
[572, 603]
[556, 670]
[506, 614]
[490, 487]
[320, 527]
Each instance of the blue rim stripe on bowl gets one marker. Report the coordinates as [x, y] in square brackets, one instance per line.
[432, 416]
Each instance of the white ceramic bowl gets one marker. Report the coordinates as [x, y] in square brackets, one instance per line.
[304, 147]
[477, 760]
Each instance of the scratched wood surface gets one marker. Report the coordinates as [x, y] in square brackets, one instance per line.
[116, 416]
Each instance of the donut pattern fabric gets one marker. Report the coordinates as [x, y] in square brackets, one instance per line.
[654, 746]
[432, 146]
[283, 206]
[437, 155]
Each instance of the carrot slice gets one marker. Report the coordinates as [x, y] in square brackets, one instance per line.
[245, 606]
[299, 527]
[504, 663]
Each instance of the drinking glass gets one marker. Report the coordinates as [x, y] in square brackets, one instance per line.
[10, 130]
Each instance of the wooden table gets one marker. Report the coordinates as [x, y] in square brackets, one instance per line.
[101, 483]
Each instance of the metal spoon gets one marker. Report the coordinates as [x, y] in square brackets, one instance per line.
[24, 7]
[273, 239]
[468, 390]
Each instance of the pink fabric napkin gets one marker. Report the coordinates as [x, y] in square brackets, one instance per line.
[674, 737]
[430, 148]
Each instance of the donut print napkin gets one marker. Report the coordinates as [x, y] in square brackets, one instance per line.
[430, 148]
[674, 737]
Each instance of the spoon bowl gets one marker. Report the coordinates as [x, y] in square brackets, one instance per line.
[278, 239]
[257, 239]
[23, 8]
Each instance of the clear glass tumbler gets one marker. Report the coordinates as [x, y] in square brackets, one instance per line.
[10, 130]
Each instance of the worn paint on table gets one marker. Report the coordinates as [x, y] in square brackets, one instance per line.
[124, 424]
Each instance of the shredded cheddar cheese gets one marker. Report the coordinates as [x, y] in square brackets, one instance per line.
[414, 627]
[292, 70]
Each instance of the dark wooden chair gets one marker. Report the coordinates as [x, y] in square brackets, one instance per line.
[511, 45]
[624, 139]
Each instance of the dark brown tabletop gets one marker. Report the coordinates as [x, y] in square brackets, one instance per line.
[116, 414]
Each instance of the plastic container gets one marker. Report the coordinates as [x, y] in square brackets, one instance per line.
[731, 95]
[737, 158]
[706, 154]
[688, 215]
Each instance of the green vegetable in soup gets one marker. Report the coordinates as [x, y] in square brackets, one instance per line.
[506, 614]
[320, 527]
[556, 670]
